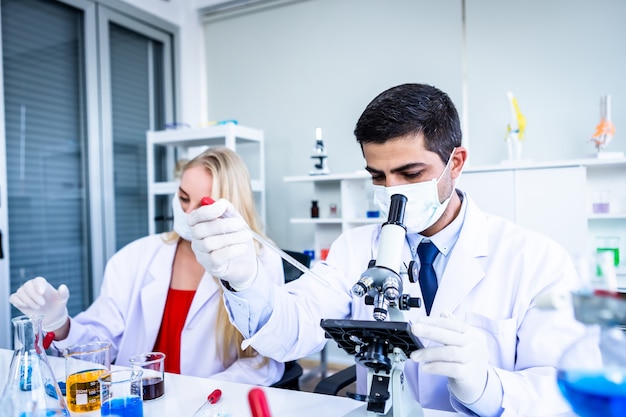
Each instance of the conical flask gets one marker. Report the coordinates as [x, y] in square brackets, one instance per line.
[31, 388]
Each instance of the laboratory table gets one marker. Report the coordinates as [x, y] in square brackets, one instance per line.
[185, 394]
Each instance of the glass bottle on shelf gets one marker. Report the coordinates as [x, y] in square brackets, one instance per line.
[315, 210]
[31, 389]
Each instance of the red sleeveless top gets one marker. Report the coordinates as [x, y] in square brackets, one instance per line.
[174, 315]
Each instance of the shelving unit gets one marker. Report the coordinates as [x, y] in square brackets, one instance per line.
[166, 147]
[554, 198]
[352, 192]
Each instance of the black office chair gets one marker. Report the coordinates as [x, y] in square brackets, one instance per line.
[291, 272]
[293, 370]
[333, 384]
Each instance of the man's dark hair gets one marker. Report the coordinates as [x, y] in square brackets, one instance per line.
[409, 109]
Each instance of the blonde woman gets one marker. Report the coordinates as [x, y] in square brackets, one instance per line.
[156, 296]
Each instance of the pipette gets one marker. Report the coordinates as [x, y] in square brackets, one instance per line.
[207, 201]
[204, 409]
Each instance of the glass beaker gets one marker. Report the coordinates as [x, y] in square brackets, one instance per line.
[83, 365]
[592, 371]
[152, 364]
[32, 389]
[121, 393]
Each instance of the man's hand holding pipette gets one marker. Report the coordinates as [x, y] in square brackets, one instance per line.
[224, 244]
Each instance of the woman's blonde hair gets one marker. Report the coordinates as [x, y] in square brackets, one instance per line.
[231, 181]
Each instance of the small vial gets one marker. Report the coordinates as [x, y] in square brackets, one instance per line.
[315, 210]
[333, 210]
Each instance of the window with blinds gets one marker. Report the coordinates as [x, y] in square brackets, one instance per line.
[131, 93]
[45, 144]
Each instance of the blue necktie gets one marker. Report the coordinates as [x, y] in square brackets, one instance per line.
[427, 252]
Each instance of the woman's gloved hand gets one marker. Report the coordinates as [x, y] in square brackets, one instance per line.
[37, 296]
[462, 356]
[223, 243]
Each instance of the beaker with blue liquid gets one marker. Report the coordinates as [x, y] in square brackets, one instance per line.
[592, 371]
[121, 393]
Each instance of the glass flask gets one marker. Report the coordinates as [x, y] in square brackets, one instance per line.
[592, 371]
[31, 389]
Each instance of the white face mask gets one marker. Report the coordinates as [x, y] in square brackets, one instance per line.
[180, 219]
[423, 208]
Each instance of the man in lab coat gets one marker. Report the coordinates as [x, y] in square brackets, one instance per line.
[489, 349]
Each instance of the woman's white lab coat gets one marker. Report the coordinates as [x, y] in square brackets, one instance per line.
[494, 274]
[130, 306]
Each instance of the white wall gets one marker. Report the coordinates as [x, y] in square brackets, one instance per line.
[290, 69]
[315, 63]
[558, 57]
[297, 65]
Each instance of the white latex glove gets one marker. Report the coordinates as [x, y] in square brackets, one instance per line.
[37, 296]
[463, 356]
[223, 243]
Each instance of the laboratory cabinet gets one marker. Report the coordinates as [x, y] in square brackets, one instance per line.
[581, 204]
[166, 147]
[351, 194]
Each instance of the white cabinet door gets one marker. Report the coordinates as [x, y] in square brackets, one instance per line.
[551, 201]
[493, 191]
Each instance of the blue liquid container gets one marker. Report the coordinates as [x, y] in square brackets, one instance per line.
[593, 394]
[31, 389]
[123, 407]
[592, 371]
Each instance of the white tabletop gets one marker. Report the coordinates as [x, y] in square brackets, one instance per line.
[185, 394]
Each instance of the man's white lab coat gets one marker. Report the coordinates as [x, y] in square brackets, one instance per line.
[130, 307]
[493, 276]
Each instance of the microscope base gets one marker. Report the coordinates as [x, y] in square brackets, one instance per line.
[408, 410]
[319, 172]
[402, 403]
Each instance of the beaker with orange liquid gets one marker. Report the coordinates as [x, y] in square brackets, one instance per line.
[83, 365]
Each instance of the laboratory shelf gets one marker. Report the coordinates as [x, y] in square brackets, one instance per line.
[351, 192]
[305, 220]
[607, 216]
[566, 189]
[365, 220]
[356, 175]
[229, 134]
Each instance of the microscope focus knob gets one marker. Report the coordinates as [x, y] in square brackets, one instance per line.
[406, 302]
[413, 271]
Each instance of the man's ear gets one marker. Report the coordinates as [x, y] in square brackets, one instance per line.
[458, 161]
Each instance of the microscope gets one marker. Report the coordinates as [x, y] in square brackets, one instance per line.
[382, 346]
[319, 153]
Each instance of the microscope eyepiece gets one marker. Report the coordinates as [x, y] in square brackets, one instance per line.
[396, 209]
